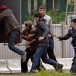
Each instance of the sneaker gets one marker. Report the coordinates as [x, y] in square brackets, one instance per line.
[73, 71]
[33, 71]
[41, 66]
[59, 68]
[23, 57]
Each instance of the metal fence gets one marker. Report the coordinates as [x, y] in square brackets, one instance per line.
[62, 49]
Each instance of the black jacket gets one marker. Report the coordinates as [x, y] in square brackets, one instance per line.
[42, 30]
[71, 33]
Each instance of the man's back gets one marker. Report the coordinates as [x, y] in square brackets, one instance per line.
[9, 20]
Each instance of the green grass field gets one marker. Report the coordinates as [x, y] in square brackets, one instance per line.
[42, 73]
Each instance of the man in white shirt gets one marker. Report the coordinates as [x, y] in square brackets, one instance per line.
[50, 50]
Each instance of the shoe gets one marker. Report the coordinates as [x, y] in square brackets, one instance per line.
[23, 57]
[33, 71]
[73, 71]
[59, 68]
[42, 66]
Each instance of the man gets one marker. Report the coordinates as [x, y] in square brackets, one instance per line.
[12, 28]
[50, 49]
[28, 35]
[42, 38]
[71, 33]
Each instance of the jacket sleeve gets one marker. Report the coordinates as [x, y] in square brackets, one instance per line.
[45, 29]
[65, 37]
[50, 27]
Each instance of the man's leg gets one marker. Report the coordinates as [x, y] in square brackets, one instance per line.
[51, 54]
[32, 53]
[24, 67]
[73, 66]
[50, 49]
[11, 44]
[36, 57]
[42, 52]
[56, 65]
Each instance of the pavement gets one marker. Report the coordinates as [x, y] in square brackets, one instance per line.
[14, 66]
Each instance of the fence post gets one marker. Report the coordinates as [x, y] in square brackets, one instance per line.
[75, 7]
[49, 4]
[24, 10]
[29, 7]
[64, 53]
[39, 3]
[32, 7]
[35, 4]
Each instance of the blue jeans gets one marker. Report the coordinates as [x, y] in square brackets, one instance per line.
[51, 42]
[41, 52]
[11, 43]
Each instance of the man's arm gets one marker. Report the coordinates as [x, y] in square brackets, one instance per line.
[65, 37]
[30, 37]
[45, 28]
[50, 26]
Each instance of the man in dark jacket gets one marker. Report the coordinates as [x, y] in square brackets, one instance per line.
[28, 35]
[50, 49]
[42, 38]
[12, 28]
[71, 33]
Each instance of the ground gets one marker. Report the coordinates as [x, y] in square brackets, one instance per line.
[12, 68]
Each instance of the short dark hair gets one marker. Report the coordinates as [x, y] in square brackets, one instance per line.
[42, 7]
[73, 20]
[38, 15]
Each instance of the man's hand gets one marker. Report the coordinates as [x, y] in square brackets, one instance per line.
[49, 35]
[41, 38]
[55, 36]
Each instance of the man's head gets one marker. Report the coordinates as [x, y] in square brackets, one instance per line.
[28, 24]
[73, 23]
[42, 10]
[37, 17]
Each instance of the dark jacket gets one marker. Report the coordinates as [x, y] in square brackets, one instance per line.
[71, 33]
[10, 21]
[42, 31]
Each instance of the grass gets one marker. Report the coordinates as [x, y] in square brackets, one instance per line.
[41, 73]
[52, 73]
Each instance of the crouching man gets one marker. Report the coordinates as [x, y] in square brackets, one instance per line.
[28, 35]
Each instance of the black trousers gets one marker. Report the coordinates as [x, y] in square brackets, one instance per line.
[29, 55]
[50, 52]
[73, 66]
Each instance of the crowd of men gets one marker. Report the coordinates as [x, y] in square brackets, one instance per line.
[39, 39]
